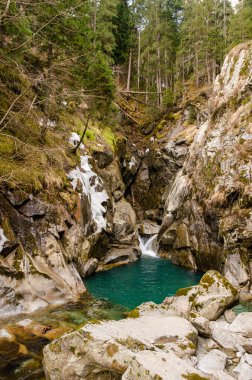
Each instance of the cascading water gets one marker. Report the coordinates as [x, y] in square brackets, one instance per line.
[149, 246]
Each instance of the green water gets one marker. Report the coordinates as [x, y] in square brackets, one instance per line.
[243, 307]
[149, 279]
[58, 321]
[115, 291]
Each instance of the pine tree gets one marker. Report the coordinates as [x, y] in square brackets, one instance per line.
[241, 23]
[123, 30]
[204, 36]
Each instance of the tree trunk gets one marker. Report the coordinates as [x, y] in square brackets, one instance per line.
[83, 135]
[95, 16]
[138, 60]
[129, 71]
[147, 80]
[166, 74]
[197, 65]
[225, 21]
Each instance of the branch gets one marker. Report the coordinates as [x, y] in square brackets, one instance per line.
[83, 134]
[128, 115]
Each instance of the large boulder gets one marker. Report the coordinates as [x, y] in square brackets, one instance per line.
[215, 294]
[214, 361]
[110, 347]
[124, 223]
[148, 365]
[229, 341]
[242, 325]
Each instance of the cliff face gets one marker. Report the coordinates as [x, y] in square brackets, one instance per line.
[47, 241]
[208, 210]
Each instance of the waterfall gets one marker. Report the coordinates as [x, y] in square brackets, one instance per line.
[149, 246]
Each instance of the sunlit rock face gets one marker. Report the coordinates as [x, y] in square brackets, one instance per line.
[210, 199]
[48, 241]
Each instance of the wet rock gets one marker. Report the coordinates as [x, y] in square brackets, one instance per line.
[214, 295]
[10, 348]
[182, 237]
[148, 228]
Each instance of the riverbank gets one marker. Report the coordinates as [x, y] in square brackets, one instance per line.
[116, 292]
[193, 335]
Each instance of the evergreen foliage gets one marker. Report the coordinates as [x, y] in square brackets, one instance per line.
[241, 23]
[123, 29]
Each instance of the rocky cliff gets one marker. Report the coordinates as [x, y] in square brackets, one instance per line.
[208, 211]
[48, 241]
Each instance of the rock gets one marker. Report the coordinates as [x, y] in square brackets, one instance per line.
[88, 268]
[182, 237]
[10, 348]
[200, 323]
[229, 341]
[122, 254]
[244, 370]
[149, 365]
[235, 271]
[245, 296]
[118, 195]
[211, 193]
[181, 303]
[17, 197]
[213, 362]
[152, 215]
[211, 344]
[34, 207]
[103, 158]
[151, 309]
[148, 228]
[214, 295]
[112, 345]
[248, 359]
[124, 222]
[221, 375]
[229, 315]
[242, 324]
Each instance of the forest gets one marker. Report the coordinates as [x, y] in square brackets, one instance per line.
[153, 47]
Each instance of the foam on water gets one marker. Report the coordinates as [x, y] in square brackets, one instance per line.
[149, 246]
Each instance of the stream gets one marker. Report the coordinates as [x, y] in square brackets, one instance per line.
[111, 294]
